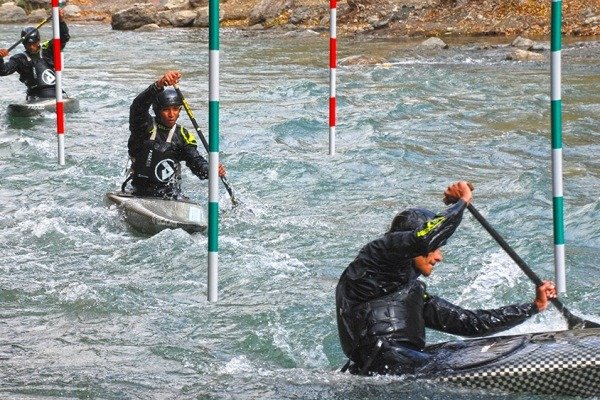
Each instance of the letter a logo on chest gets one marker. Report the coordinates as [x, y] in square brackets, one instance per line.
[49, 77]
[164, 170]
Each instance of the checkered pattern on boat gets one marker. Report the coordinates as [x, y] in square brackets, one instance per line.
[553, 369]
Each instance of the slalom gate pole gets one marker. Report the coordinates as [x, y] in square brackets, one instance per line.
[332, 73]
[213, 154]
[60, 114]
[556, 131]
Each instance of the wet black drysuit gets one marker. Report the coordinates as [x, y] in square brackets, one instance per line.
[157, 151]
[36, 71]
[383, 309]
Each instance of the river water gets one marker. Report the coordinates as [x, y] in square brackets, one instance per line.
[92, 309]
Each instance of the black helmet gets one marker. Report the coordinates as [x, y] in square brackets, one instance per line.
[166, 98]
[411, 219]
[30, 34]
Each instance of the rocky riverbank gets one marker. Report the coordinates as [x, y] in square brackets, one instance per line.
[383, 18]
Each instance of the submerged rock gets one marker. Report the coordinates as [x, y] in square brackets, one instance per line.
[524, 55]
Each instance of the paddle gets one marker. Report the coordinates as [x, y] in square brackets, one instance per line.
[190, 114]
[573, 321]
[26, 36]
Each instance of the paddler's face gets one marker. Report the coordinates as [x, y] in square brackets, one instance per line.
[32, 48]
[424, 264]
[169, 115]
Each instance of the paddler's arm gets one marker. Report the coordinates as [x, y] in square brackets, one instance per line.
[13, 65]
[195, 162]
[435, 233]
[48, 46]
[140, 120]
[444, 316]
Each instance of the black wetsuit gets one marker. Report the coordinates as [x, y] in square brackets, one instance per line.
[36, 71]
[156, 158]
[383, 309]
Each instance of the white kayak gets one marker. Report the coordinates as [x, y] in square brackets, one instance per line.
[153, 214]
[37, 107]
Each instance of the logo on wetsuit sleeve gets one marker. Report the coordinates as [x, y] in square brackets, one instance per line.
[48, 77]
[164, 170]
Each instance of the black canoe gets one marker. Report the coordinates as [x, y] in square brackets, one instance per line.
[151, 214]
[563, 362]
[35, 108]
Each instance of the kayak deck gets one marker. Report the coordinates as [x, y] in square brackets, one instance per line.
[564, 362]
[151, 214]
[35, 108]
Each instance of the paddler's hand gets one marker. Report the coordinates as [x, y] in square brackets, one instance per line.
[3, 53]
[459, 190]
[168, 79]
[543, 294]
[61, 15]
[222, 171]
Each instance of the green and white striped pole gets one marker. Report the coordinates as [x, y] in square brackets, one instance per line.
[556, 128]
[213, 153]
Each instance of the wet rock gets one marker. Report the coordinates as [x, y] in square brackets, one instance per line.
[9, 12]
[377, 23]
[148, 28]
[199, 3]
[201, 20]
[524, 55]
[72, 11]
[37, 15]
[135, 17]
[178, 19]
[178, 5]
[593, 20]
[433, 43]
[300, 15]
[268, 9]
[37, 4]
[540, 47]
[522, 42]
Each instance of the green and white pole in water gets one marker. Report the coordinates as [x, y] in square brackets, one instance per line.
[213, 153]
[556, 128]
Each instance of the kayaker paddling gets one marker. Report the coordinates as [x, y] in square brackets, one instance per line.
[157, 145]
[383, 308]
[35, 65]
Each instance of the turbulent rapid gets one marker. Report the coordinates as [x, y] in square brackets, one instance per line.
[94, 309]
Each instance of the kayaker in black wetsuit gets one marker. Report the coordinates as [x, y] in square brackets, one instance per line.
[35, 66]
[383, 309]
[157, 145]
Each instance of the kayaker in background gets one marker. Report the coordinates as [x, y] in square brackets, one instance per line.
[383, 308]
[157, 145]
[35, 66]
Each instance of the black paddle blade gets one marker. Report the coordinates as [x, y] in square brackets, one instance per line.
[573, 321]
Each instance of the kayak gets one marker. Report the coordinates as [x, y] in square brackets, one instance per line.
[563, 362]
[152, 214]
[37, 107]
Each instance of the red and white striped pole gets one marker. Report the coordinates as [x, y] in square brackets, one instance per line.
[60, 111]
[332, 66]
